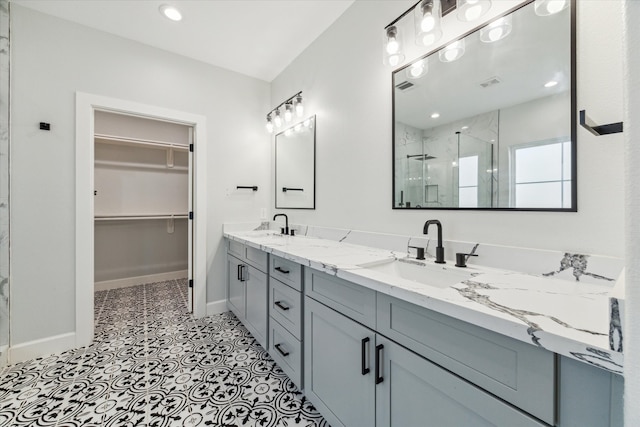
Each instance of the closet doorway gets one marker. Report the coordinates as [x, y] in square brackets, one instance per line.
[140, 201]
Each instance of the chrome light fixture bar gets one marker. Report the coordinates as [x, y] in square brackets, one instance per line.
[291, 104]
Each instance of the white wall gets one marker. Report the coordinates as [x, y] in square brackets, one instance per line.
[51, 60]
[345, 84]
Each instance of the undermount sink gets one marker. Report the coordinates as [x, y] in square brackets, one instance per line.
[439, 276]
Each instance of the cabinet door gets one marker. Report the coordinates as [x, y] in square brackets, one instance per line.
[257, 304]
[236, 287]
[416, 393]
[336, 378]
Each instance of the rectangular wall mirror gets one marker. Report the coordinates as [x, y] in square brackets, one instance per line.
[296, 166]
[491, 125]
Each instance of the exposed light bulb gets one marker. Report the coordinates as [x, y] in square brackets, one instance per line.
[277, 120]
[428, 23]
[269, 124]
[394, 60]
[497, 30]
[452, 52]
[287, 113]
[299, 106]
[550, 7]
[307, 123]
[392, 46]
[170, 12]
[288, 132]
[429, 39]
[470, 10]
[298, 127]
[417, 69]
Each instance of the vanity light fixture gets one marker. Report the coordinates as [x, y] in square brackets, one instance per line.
[288, 113]
[427, 16]
[277, 120]
[427, 20]
[550, 83]
[269, 123]
[418, 69]
[392, 46]
[274, 117]
[470, 10]
[170, 12]
[299, 106]
[497, 30]
[452, 52]
[550, 7]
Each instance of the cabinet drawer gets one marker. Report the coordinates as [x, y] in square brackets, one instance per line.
[236, 249]
[286, 271]
[285, 306]
[256, 258]
[286, 350]
[354, 301]
[517, 372]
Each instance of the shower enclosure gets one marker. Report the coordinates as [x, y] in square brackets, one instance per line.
[459, 171]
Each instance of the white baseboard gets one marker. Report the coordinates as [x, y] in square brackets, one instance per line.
[139, 280]
[42, 347]
[4, 356]
[217, 307]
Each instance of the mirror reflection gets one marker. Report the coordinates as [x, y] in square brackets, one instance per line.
[488, 121]
[295, 166]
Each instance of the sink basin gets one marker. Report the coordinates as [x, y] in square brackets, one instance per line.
[439, 276]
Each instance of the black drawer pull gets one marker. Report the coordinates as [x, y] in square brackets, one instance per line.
[281, 306]
[365, 369]
[239, 267]
[242, 277]
[281, 351]
[281, 270]
[379, 377]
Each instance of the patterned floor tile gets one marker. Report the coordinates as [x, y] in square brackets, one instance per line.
[153, 364]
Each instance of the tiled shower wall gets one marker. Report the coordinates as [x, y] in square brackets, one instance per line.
[4, 180]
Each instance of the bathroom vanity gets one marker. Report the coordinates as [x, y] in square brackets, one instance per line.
[374, 337]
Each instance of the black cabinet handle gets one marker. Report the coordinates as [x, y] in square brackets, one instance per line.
[281, 306]
[281, 270]
[365, 369]
[239, 273]
[281, 351]
[242, 278]
[379, 349]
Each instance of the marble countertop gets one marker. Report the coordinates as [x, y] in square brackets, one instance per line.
[566, 317]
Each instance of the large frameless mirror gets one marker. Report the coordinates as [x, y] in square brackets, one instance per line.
[488, 121]
[295, 166]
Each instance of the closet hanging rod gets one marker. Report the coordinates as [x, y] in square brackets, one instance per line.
[119, 140]
[139, 217]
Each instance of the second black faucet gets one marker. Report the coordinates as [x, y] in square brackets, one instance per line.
[439, 248]
[285, 230]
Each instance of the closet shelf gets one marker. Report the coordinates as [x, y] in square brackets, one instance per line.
[119, 140]
[131, 217]
[133, 165]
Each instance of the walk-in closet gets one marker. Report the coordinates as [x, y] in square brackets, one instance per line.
[141, 201]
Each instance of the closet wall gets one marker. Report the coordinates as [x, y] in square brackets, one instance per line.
[141, 200]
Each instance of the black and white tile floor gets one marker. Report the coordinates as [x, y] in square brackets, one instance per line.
[153, 364]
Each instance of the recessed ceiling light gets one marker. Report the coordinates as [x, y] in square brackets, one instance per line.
[550, 83]
[170, 12]
[464, 127]
[435, 115]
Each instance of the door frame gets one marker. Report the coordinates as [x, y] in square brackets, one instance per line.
[86, 105]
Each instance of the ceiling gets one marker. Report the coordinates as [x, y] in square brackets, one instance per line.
[259, 38]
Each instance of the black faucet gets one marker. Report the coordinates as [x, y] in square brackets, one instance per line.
[439, 248]
[285, 230]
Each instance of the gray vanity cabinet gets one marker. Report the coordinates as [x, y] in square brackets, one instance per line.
[417, 393]
[338, 370]
[235, 287]
[247, 288]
